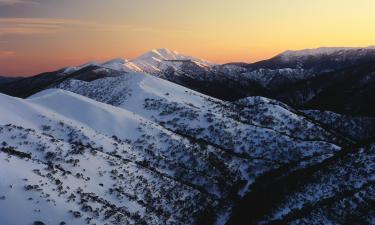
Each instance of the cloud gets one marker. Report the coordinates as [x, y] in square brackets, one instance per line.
[24, 26]
[15, 2]
[37, 26]
[32, 26]
[6, 54]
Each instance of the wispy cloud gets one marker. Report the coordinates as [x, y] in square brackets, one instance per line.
[27, 26]
[6, 54]
[24, 26]
[16, 2]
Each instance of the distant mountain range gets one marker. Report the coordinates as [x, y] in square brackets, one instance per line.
[300, 78]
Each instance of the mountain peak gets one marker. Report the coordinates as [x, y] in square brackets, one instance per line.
[161, 54]
[153, 61]
[165, 51]
[157, 60]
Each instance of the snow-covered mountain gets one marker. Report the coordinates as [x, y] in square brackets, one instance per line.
[141, 149]
[158, 60]
[24, 87]
[234, 81]
[314, 78]
[299, 78]
[158, 97]
[155, 62]
[316, 52]
[70, 159]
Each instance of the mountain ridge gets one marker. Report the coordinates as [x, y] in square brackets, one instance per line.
[228, 82]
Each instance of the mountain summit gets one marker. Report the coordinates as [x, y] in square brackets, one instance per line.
[158, 60]
[154, 62]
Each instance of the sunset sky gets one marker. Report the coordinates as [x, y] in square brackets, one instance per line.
[43, 35]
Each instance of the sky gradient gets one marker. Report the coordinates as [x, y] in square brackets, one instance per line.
[44, 35]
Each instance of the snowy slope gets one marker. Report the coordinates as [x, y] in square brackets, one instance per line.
[164, 155]
[343, 186]
[135, 149]
[249, 130]
[99, 160]
[163, 101]
[110, 164]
